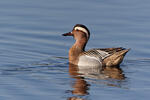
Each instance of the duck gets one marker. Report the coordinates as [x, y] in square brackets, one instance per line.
[93, 58]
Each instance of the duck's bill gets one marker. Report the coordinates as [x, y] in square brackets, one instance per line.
[67, 34]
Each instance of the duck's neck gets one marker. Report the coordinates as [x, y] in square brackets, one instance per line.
[76, 50]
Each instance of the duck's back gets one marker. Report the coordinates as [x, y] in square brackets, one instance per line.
[95, 57]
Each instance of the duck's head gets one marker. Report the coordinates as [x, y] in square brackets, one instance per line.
[79, 32]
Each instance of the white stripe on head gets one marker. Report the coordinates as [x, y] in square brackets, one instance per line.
[83, 30]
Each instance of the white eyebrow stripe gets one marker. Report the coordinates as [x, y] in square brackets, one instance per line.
[83, 30]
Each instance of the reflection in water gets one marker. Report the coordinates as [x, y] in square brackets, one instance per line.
[81, 86]
[114, 73]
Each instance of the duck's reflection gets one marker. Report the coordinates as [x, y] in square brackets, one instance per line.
[114, 73]
[80, 85]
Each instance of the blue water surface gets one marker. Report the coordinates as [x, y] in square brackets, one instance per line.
[34, 56]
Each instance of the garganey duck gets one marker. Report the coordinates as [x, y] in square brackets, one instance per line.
[94, 58]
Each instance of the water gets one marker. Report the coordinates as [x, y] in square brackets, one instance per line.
[34, 56]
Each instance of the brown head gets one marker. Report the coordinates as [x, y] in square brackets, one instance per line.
[79, 32]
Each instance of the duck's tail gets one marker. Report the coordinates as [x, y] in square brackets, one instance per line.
[115, 59]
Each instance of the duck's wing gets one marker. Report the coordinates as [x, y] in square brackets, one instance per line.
[110, 51]
[115, 57]
[97, 53]
[102, 53]
[107, 56]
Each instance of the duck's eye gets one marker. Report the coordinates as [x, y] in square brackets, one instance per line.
[77, 30]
